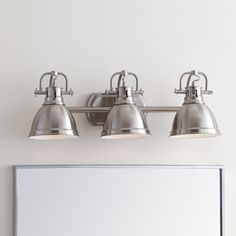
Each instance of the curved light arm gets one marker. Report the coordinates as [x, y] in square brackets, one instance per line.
[192, 73]
[53, 76]
[121, 77]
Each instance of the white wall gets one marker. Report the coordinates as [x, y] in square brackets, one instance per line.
[89, 40]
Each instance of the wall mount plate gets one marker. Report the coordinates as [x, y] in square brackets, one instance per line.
[107, 100]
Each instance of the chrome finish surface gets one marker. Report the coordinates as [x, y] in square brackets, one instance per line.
[198, 75]
[146, 109]
[125, 119]
[53, 76]
[89, 109]
[108, 98]
[194, 119]
[122, 75]
[150, 109]
[53, 120]
[98, 100]
[100, 103]
[122, 110]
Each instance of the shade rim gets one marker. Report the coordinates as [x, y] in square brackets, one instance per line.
[208, 132]
[125, 132]
[40, 133]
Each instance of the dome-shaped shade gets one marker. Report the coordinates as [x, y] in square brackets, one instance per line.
[53, 122]
[125, 121]
[194, 121]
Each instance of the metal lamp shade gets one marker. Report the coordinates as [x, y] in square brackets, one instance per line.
[194, 121]
[53, 122]
[125, 121]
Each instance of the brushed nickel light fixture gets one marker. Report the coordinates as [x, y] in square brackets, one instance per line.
[125, 119]
[122, 111]
[194, 119]
[53, 120]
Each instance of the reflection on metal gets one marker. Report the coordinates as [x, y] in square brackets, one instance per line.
[53, 120]
[194, 119]
[122, 111]
[125, 119]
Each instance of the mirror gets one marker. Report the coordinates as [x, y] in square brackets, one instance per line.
[118, 200]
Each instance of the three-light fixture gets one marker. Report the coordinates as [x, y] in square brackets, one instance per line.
[122, 111]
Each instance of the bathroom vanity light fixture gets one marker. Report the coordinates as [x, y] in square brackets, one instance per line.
[122, 111]
[53, 120]
[125, 119]
[194, 119]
